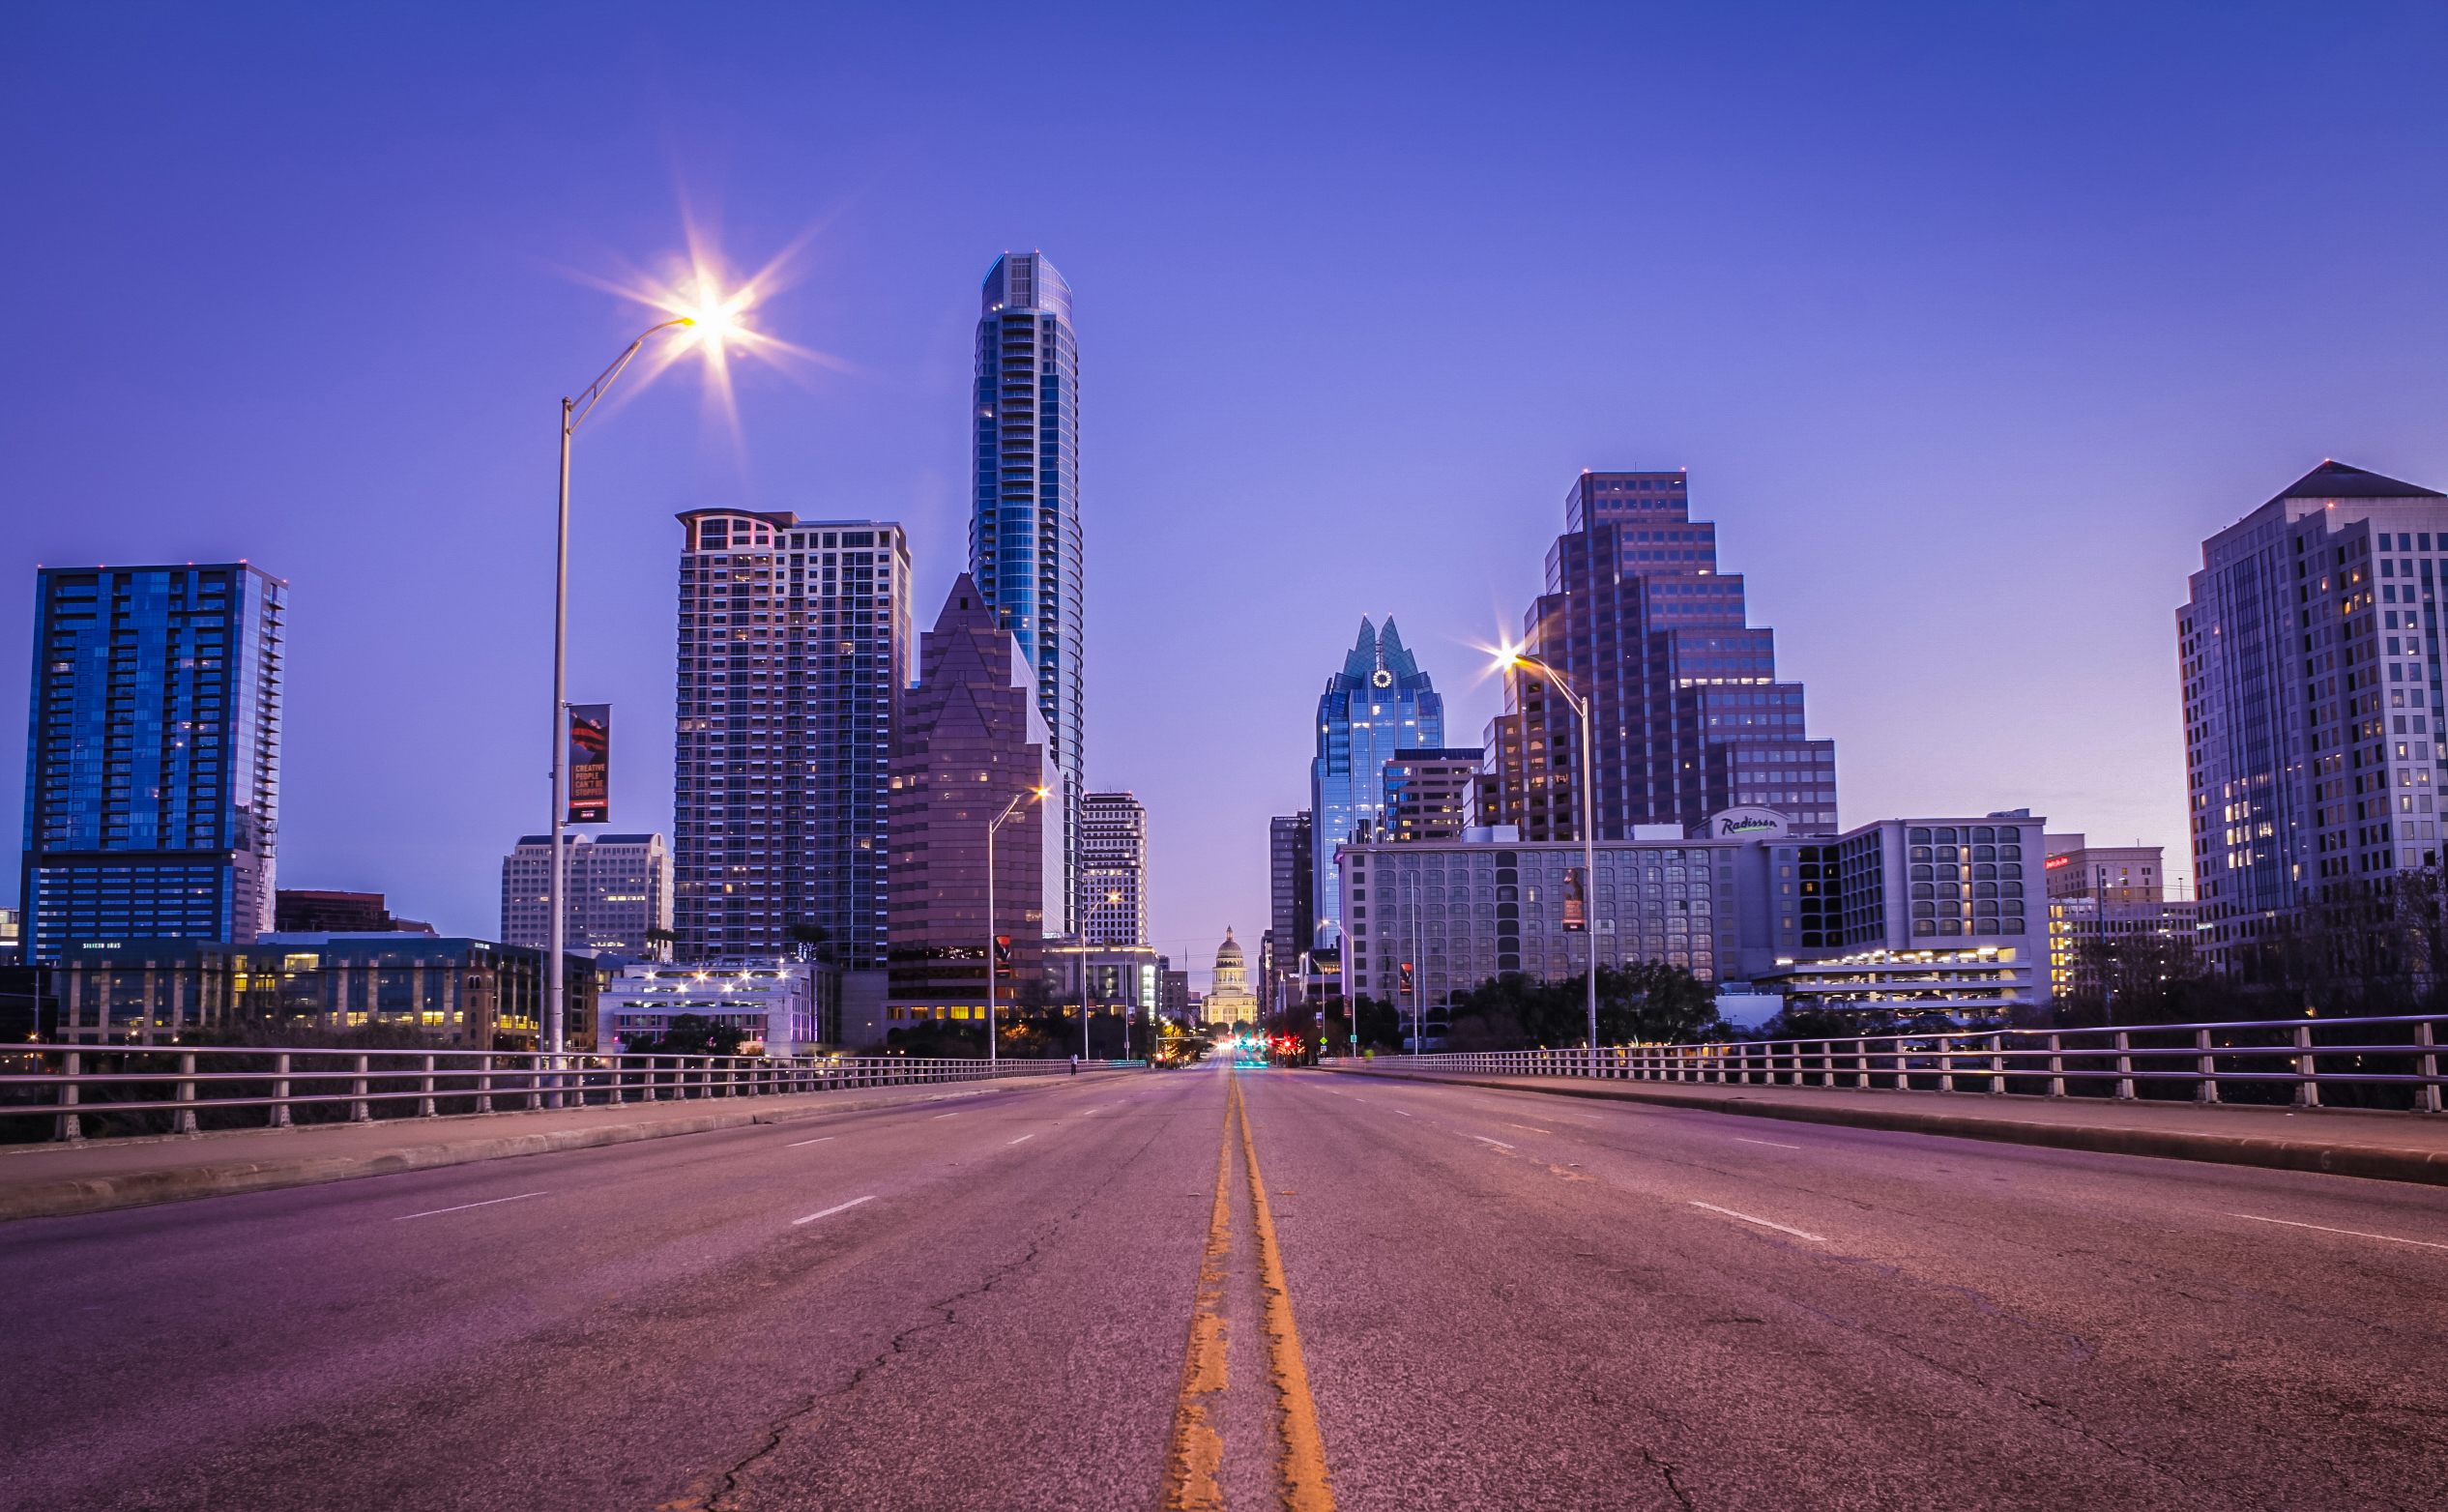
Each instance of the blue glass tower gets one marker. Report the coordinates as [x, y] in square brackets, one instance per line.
[1024, 540]
[152, 789]
[1379, 704]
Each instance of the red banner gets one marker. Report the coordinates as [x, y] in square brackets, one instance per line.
[590, 763]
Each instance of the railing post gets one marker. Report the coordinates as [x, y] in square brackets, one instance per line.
[360, 1111]
[2308, 1068]
[1946, 1065]
[2427, 1096]
[2124, 1066]
[484, 1084]
[2056, 1066]
[1998, 1065]
[2209, 1065]
[72, 1125]
[183, 1122]
[424, 1091]
[534, 1079]
[281, 1090]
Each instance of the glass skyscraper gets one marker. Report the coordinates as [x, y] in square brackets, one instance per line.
[794, 650]
[1379, 704]
[1690, 717]
[1024, 544]
[152, 773]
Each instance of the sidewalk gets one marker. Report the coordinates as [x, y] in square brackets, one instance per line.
[56, 1179]
[2384, 1147]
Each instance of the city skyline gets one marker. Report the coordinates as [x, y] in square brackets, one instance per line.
[2037, 349]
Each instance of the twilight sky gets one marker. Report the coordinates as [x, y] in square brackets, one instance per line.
[1969, 323]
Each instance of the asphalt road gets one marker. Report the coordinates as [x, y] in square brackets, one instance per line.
[1482, 1301]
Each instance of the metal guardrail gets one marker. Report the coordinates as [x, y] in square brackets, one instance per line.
[2304, 1054]
[191, 1084]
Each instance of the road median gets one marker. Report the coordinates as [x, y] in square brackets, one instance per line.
[2381, 1146]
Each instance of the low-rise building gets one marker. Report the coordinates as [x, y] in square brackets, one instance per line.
[786, 1008]
[1965, 984]
[451, 991]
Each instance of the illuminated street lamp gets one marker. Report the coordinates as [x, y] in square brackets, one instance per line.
[993, 940]
[1589, 830]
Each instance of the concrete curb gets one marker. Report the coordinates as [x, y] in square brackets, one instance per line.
[2374, 1162]
[72, 1196]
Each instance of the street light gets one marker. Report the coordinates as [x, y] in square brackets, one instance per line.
[572, 411]
[1589, 832]
[992, 939]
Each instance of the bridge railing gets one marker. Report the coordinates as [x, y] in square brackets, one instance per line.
[109, 1091]
[2387, 1062]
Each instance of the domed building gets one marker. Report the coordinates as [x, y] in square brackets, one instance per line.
[1229, 1000]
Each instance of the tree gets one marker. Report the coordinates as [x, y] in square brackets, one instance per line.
[814, 941]
[692, 1034]
[1648, 1002]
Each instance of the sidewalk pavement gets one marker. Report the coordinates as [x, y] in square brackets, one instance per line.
[2384, 1147]
[56, 1179]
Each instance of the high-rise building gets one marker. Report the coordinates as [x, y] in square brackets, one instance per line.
[794, 648]
[1379, 704]
[1113, 866]
[1428, 793]
[153, 755]
[1292, 893]
[616, 894]
[2309, 661]
[1689, 715]
[1024, 541]
[970, 741]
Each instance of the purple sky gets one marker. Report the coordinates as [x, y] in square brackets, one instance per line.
[1969, 323]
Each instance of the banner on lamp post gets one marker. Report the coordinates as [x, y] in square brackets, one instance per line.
[590, 763]
[1576, 901]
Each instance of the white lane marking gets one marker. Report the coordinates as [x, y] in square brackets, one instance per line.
[1498, 1143]
[2357, 1233]
[464, 1206]
[1763, 1222]
[952, 1115]
[1024, 1139]
[1526, 1128]
[805, 1141]
[1771, 1143]
[1405, 1115]
[830, 1212]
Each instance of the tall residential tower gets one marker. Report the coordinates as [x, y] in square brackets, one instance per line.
[1113, 868]
[1024, 540]
[152, 771]
[794, 648]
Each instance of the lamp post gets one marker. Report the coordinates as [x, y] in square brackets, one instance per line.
[993, 1058]
[572, 411]
[1589, 834]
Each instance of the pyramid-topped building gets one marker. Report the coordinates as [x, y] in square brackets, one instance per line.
[1379, 704]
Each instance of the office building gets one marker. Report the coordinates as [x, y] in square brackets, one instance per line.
[2116, 874]
[1106, 978]
[783, 1007]
[1379, 704]
[616, 894]
[1229, 1000]
[1689, 716]
[2310, 660]
[1025, 551]
[1292, 893]
[295, 910]
[449, 991]
[1113, 868]
[2110, 897]
[1172, 992]
[794, 646]
[971, 742]
[1428, 793]
[153, 755]
[1740, 897]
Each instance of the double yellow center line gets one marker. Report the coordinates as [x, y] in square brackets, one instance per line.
[1193, 1469]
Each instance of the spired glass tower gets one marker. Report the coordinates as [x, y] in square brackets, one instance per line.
[152, 786]
[1379, 704]
[1024, 542]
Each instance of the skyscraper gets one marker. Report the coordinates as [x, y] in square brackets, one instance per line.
[970, 741]
[1024, 540]
[793, 647]
[1114, 867]
[616, 892]
[1689, 715]
[2310, 660]
[152, 786]
[1291, 885]
[1379, 704]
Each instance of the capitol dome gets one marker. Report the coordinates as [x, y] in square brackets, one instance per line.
[1229, 954]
